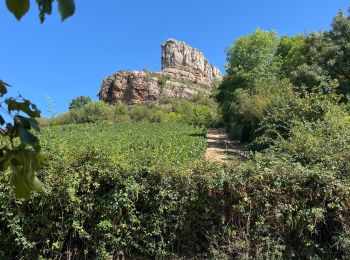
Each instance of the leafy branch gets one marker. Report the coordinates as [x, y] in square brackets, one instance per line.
[20, 7]
[19, 147]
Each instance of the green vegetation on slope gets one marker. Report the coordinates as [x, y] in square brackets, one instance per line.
[134, 144]
[116, 175]
[200, 111]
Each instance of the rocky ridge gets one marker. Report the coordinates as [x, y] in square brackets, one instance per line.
[185, 73]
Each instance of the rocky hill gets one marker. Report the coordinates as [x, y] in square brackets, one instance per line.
[185, 72]
[182, 61]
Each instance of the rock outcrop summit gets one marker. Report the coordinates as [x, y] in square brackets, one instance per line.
[185, 72]
[185, 62]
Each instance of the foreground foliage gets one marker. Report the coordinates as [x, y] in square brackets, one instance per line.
[19, 8]
[98, 207]
[19, 147]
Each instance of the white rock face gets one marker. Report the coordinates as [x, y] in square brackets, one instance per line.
[184, 68]
[180, 60]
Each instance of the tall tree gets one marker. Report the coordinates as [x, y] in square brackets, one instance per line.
[250, 63]
[251, 57]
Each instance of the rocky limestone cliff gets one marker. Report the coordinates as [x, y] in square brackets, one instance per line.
[129, 87]
[185, 72]
[185, 62]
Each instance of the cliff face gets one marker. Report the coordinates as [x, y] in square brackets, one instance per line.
[185, 72]
[185, 62]
[128, 87]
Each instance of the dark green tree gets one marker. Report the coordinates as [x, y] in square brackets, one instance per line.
[326, 64]
[79, 102]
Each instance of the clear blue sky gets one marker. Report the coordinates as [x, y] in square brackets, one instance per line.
[65, 60]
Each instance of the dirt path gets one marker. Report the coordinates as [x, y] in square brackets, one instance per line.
[220, 148]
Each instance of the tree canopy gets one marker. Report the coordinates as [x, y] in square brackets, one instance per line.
[262, 67]
[79, 102]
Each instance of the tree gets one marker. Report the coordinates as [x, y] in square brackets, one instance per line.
[79, 102]
[262, 66]
[20, 148]
[251, 67]
[251, 58]
[326, 60]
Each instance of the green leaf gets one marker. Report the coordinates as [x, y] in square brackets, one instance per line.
[18, 7]
[23, 176]
[25, 106]
[45, 7]
[27, 123]
[22, 191]
[2, 121]
[66, 8]
[36, 185]
[27, 137]
[3, 88]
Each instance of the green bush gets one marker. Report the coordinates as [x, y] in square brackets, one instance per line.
[288, 109]
[173, 117]
[79, 102]
[97, 206]
[201, 112]
[248, 108]
[162, 80]
[325, 143]
[92, 112]
[141, 114]
[97, 112]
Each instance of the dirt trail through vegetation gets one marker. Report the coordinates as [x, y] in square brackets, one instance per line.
[220, 148]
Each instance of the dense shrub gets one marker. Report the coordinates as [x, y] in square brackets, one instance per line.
[248, 108]
[96, 206]
[278, 209]
[162, 80]
[200, 111]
